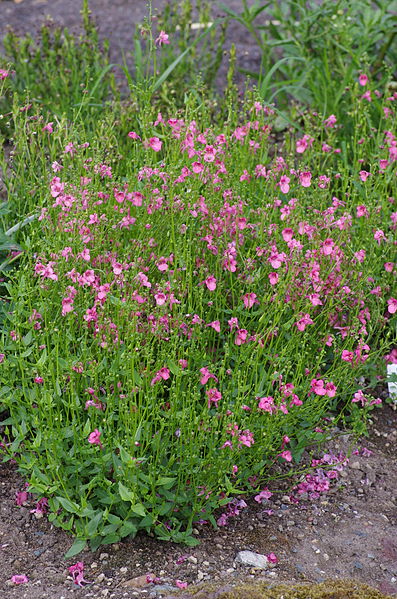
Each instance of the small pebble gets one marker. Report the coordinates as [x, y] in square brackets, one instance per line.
[192, 559]
[103, 556]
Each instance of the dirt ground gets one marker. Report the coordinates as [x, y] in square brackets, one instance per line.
[349, 532]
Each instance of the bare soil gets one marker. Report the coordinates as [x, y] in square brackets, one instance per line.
[350, 532]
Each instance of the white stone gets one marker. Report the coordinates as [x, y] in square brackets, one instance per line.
[249, 558]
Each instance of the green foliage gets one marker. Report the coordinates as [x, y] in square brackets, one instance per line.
[311, 52]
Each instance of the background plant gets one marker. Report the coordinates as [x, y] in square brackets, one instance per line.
[311, 51]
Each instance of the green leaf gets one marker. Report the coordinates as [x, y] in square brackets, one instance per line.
[69, 506]
[166, 481]
[126, 494]
[27, 339]
[77, 547]
[128, 528]
[93, 524]
[139, 509]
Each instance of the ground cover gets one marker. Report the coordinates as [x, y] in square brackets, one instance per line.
[198, 300]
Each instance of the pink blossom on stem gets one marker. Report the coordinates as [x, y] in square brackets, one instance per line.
[250, 300]
[95, 438]
[305, 179]
[330, 121]
[206, 376]
[303, 322]
[363, 79]
[284, 183]
[162, 39]
[155, 143]
[392, 305]
[241, 337]
[210, 283]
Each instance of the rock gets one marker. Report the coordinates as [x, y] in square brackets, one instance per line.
[192, 559]
[138, 582]
[355, 465]
[160, 589]
[103, 556]
[249, 558]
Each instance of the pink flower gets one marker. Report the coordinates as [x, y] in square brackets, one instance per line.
[163, 373]
[273, 278]
[379, 236]
[41, 507]
[210, 283]
[95, 438]
[347, 356]
[301, 145]
[162, 38]
[302, 323]
[330, 121]
[19, 578]
[286, 454]
[180, 584]
[250, 300]
[392, 305]
[77, 572]
[284, 183]
[206, 376]
[160, 298]
[364, 175]
[327, 246]
[216, 325]
[155, 143]
[317, 386]
[362, 211]
[367, 96]
[241, 337]
[265, 494]
[182, 363]
[363, 79]
[359, 397]
[48, 127]
[246, 438]
[133, 135]
[21, 497]
[305, 179]
[39, 380]
[272, 558]
[214, 396]
[197, 167]
[330, 389]
[233, 323]
[4, 74]
[267, 404]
